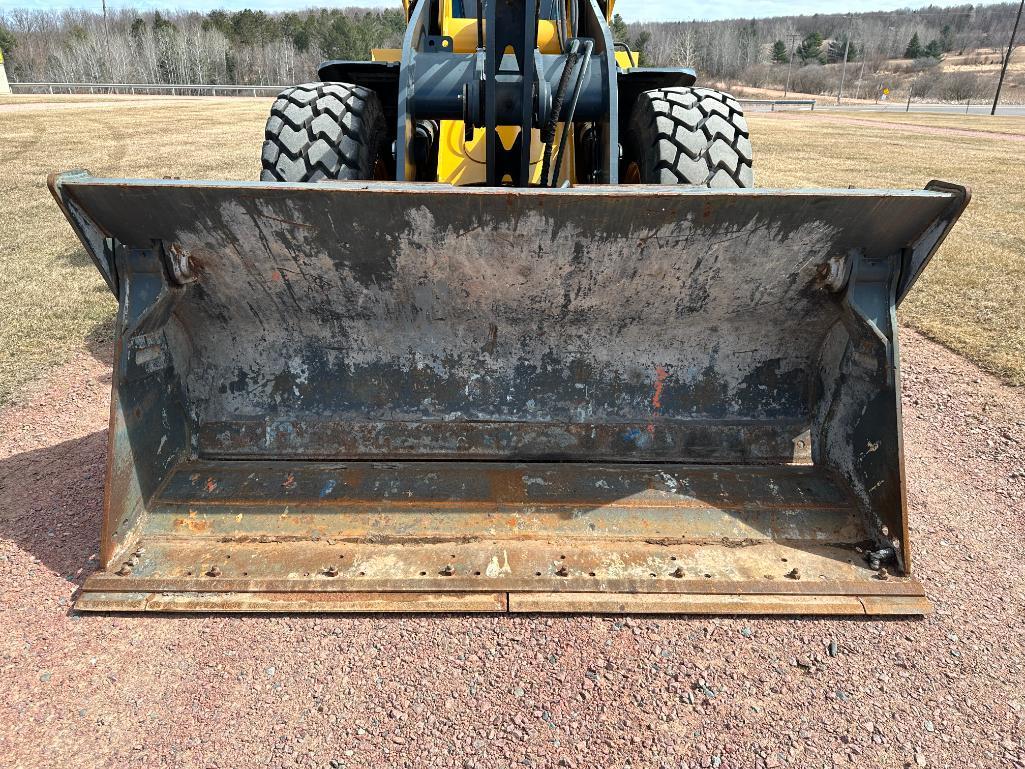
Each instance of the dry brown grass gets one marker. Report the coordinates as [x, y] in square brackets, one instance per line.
[53, 301]
[42, 98]
[1000, 124]
[971, 297]
[51, 297]
[32, 98]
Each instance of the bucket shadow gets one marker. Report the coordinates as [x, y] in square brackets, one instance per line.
[99, 340]
[51, 503]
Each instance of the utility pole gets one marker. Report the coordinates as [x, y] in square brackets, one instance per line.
[106, 42]
[1007, 59]
[846, 52]
[790, 63]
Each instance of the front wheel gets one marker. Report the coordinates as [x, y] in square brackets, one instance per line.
[320, 131]
[691, 136]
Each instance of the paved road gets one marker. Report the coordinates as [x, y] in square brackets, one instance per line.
[1008, 110]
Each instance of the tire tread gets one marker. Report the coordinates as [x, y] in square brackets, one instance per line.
[322, 131]
[691, 136]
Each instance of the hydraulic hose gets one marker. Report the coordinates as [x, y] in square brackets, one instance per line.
[581, 76]
[480, 24]
[548, 134]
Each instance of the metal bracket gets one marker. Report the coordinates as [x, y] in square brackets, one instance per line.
[918, 255]
[179, 264]
[437, 43]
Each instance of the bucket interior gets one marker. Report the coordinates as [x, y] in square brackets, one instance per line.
[392, 390]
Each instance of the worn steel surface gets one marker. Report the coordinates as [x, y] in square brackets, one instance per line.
[293, 602]
[599, 373]
[561, 603]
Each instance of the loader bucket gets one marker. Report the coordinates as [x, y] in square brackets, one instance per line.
[374, 396]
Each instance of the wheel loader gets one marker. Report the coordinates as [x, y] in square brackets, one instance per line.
[505, 326]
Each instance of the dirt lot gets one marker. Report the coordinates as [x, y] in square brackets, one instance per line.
[457, 691]
[451, 691]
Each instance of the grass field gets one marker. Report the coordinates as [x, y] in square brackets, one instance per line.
[971, 297]
[999, 124]
[54, 302]
[52, 297]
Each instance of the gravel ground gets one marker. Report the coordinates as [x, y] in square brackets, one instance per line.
[465, 691]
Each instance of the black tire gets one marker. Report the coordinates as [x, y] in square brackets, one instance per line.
[691, 136]
[320, 131]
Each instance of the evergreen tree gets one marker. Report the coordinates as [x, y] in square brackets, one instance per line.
[811, 50]
[835, 51]
[301, 39]
[639, 43]
[138, 30]
[934, 49]
[8, 42]
[250, 28]
[947, 38]
[337, 38]
[914, 49]
[620, 33]
[779, 53]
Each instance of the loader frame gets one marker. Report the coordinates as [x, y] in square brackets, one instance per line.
[435, 79]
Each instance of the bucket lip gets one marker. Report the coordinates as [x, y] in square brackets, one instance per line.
[83, 179]
[537, 603]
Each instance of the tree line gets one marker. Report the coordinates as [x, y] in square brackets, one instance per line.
[242, 48]
[256, 48]
[723, 49]
[805, 49]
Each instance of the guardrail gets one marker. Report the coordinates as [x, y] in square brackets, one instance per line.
[174, 89]
[200, 89]
[772, 104]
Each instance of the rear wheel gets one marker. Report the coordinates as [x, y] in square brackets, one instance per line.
[691, 136]
[321, 131]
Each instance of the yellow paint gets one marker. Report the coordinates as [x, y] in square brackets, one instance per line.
[461, 162]
[464, 32]
[385, 54]
[623, 59]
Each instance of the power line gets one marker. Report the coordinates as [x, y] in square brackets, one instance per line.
[1007, 58]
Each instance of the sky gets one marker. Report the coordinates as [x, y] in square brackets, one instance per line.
[632, 10]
